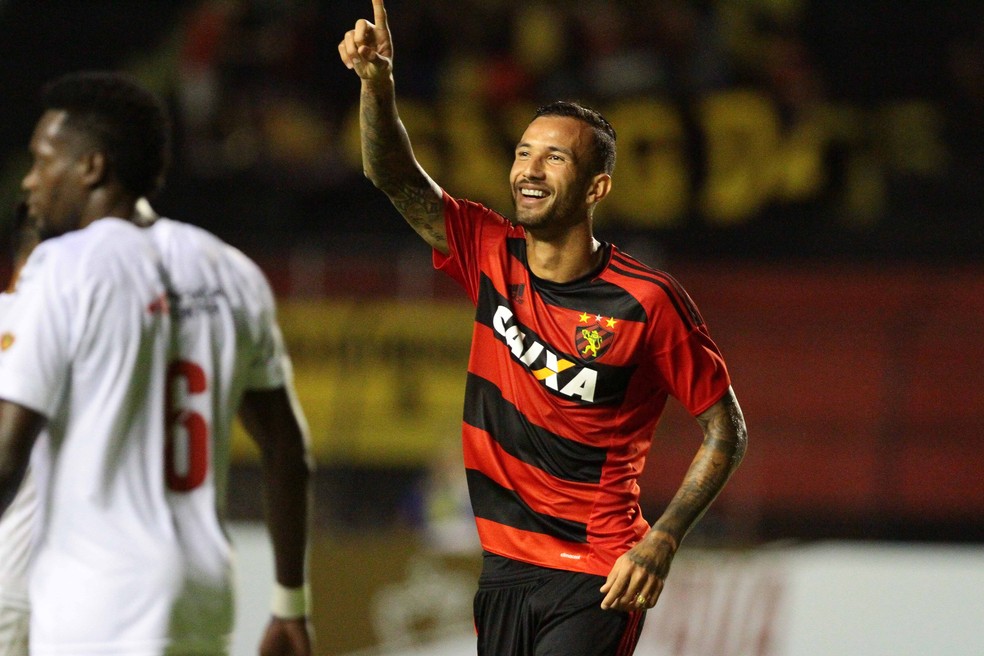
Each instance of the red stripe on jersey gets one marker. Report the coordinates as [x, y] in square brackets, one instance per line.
[562, 499]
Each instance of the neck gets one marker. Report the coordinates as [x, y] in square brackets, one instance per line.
[564, 258]
[106, 202]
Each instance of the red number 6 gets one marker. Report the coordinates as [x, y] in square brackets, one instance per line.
[186, 439]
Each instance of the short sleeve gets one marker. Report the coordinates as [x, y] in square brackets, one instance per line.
[269, 367]
[467, 224]
[694, 371]
[685, 357]
[36, 333]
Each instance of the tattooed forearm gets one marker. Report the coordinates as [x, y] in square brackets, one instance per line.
[725, 441]
[386, 152]
[388, 161]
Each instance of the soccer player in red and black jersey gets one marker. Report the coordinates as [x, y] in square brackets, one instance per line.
[576, 347]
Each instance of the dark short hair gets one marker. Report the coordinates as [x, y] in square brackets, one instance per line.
[603, 160]
[124, 120]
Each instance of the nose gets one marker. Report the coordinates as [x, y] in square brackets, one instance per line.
[534, 168]
[30, 180]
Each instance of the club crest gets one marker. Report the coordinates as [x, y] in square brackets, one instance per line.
[592, 341]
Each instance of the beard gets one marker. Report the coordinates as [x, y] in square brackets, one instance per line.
[561, 210]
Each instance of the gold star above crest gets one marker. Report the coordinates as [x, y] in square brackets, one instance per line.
[584, 318]
[611, 322]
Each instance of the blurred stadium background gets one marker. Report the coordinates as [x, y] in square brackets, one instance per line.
[811, 170]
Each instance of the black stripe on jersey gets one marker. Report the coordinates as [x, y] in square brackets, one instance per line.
[495, 503]
[517, 248]
[681, 301]
[558, 456]
[590, 294]
[594, 297]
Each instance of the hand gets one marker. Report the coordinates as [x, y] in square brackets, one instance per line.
[638, 576]
[287, 638]
[368, 49]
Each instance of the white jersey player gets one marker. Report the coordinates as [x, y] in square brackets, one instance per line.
[88, 339]
[19, 525]
[17, 529]
[131, 558]
[230, 356]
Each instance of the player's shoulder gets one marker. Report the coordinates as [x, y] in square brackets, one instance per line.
[108, 233]
[653, 287]
[638, 274]
[188, 237]
[106, 244]
[178, 234]
[196, 247]
[469, 210]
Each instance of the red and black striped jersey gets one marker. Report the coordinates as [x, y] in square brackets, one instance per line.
[565, 385]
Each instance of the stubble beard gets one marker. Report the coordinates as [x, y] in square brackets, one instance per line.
[557, 214]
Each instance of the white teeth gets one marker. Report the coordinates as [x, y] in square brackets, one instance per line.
[533, 193]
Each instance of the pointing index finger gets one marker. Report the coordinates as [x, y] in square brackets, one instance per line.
[379, 14]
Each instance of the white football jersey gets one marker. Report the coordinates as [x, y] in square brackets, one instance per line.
[17, 529]
[85, 342]
[140, 389]
[227, 342]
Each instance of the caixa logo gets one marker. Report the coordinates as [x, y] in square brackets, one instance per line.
[559, 374]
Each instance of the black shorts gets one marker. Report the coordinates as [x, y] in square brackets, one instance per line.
[525, 610]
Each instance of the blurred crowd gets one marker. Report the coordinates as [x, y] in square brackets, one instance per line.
[264, 108]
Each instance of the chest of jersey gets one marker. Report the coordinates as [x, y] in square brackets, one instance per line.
[578, 343]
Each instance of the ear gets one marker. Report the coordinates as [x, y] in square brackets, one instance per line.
[95, 168]
[598, 188]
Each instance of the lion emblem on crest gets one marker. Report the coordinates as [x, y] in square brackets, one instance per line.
[592, 341]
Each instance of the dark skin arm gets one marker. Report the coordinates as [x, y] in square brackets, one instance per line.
[638, 576]
[387, 156]
[19, 428]
[274, 422]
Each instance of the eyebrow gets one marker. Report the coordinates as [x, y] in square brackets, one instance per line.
[553, 149]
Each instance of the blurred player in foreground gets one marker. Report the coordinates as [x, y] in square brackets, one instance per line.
[576, 347]
[137, 369]
[17, 525]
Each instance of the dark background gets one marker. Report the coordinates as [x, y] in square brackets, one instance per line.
[817, 290]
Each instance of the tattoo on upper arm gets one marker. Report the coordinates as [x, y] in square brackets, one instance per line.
[422, 210]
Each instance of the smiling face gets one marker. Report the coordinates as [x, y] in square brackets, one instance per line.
[57, 184]
[552, 185]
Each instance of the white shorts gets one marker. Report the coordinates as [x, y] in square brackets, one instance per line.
[14, 623]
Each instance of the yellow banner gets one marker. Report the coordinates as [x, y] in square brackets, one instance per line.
[379, 381]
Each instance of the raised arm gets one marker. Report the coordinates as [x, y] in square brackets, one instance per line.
[275, 423]
[387, 156]
[637, 578]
